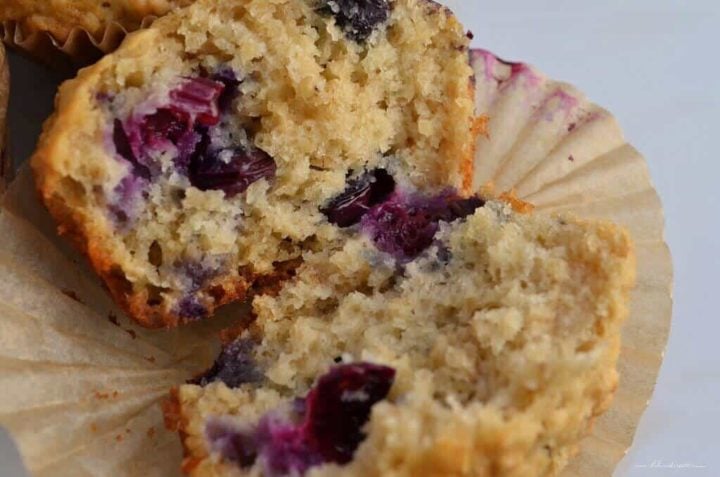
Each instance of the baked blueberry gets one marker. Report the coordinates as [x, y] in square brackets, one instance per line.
[360, 195]
[327, 425]
[235, 366]
[405, 225]
[230, 170]
[357, 18]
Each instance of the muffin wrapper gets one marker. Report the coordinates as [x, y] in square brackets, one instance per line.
[557, 150]
[80, 48]
[82, 386]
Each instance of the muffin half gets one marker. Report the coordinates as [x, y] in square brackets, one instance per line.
[210, 151]
[490, 353]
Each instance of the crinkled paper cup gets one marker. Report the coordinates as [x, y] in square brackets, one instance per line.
[82, 386]
[557, 150]
[79, 48]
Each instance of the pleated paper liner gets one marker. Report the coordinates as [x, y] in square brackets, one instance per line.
[564, 154]
[6, 166]
[82, 386]
[80, 48]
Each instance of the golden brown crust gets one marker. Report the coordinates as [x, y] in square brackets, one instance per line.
[171, 412]
[176, 422]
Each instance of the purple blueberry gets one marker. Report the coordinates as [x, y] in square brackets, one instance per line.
[359, 196]
[187, 122]
[402, 229]
[125, 150]
[331, 419]
[191, 309]
[339, 406]
[197, 273]
[326, 426]
[127, 189]
[199, 96]
[285, 447]
[187, 145]
[235, 366]
[405, 225]
[231, 442]
[357, 18]
[229, 79]
[454, 208]
[230, 170]
[165, 124]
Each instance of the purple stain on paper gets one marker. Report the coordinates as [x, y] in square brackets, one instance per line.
[511, 72]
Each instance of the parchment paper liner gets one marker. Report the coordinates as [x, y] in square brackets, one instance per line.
[80, 48]
[81, 395]
[563, 153]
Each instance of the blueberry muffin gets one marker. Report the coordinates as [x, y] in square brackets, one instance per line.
[200, 160]
[489, 352]
[60, 17]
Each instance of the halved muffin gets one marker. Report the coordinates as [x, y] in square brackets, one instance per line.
[489, 353]
[203, 157]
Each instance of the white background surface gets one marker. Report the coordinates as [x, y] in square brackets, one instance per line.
[655, 65]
